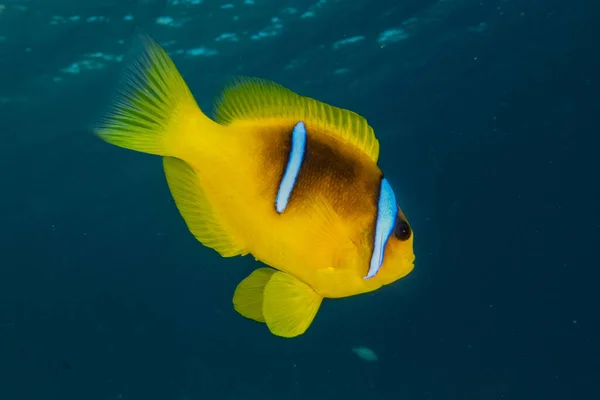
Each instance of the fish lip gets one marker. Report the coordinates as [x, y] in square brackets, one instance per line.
[410, 262]
[410, 259]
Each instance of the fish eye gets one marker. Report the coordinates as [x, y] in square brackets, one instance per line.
[402, 230]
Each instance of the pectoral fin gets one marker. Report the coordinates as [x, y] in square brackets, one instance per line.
[289, 305]
[248, 296]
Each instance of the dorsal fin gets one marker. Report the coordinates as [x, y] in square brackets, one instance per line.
[255, 99]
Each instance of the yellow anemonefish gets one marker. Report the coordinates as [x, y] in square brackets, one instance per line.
[286, 178]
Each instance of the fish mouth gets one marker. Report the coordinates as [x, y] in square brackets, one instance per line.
[409, 261]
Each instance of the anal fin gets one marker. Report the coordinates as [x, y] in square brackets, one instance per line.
[196, 210]
[289, 305]
[248, 296]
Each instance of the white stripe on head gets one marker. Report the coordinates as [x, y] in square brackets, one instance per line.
[387, 209]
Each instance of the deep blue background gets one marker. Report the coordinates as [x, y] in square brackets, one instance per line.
[488, 118]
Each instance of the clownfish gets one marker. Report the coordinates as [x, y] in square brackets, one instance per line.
[288, 179]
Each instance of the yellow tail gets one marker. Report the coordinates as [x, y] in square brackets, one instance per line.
[156, 113]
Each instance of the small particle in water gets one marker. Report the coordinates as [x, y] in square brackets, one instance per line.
[365, 353]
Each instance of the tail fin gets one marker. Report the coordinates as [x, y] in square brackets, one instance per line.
[155, 110]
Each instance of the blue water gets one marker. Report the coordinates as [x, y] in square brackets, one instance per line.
[487, 112]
